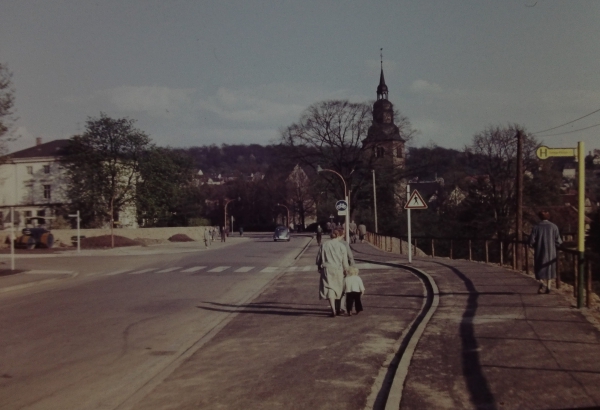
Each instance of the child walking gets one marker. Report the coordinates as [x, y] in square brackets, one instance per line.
[354, 289]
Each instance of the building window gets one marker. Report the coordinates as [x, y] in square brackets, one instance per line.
[41, 213]
[30, 170]
[379, 151]
[46, 169]
[399, 152]
[27, 214]
[47, 192]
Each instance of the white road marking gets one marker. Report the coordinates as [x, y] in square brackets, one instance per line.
[117, 272]
[219, 268]
[194, 269]
[142, 271]
[169, 269]
[293, 268]
[269, 269]
[244, 269]
[308, 268]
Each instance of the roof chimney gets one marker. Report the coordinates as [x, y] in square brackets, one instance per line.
[38, 141]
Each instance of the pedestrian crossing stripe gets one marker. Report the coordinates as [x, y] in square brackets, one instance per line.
[194, 269]
[219, 269]
[169, 270]
[142, 271]
[269, 269]
[244, 269]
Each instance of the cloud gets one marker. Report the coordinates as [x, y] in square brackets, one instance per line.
[425, 87]
[154, 100]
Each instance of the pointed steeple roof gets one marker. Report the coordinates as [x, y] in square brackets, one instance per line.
[382, 90]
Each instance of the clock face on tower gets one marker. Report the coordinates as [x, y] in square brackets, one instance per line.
[387, 117]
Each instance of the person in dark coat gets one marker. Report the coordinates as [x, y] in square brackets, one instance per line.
[545, 239]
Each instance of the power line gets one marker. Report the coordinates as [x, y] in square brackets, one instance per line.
[567, 123]
[569, 132]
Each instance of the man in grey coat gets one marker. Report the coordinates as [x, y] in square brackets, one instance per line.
[544, 240]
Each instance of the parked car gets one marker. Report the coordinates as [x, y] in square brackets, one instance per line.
[35, 238]
[281, 234]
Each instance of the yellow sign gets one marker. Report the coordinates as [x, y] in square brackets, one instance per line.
[545, 152]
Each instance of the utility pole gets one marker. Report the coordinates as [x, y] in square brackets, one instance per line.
[519, 228]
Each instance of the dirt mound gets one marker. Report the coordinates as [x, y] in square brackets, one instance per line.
[180, 237]
[104, 241]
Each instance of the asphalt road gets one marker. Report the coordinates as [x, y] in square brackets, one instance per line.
[116, 326]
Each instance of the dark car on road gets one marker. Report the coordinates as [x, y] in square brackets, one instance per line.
[281, 234]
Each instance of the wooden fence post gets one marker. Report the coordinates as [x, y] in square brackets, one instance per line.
[527, 260]
[588, 290]
[501, 253]
[432, 247]
[514, 254]
[487, 252]
[575, 279]
[470, 252]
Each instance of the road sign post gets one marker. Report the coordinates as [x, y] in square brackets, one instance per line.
[415, 201]
[78, 230]
[544, 152]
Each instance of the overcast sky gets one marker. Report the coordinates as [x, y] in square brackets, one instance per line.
[195, 72]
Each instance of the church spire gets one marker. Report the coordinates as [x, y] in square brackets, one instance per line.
[382, 90]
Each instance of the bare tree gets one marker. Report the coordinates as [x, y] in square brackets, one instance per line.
[492, 196]
[7, 101]
[330, 134]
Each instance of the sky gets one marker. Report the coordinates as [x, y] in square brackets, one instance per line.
[200, 72]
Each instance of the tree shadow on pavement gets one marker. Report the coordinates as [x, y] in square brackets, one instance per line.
[481, 394]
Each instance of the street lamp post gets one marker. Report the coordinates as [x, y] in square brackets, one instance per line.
[288, 213]
[319, 169]
[374, 199]
[225, 217]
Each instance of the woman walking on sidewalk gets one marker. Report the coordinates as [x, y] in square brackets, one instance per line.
[332, 261]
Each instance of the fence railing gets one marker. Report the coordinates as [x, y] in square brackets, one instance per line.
[500, 252]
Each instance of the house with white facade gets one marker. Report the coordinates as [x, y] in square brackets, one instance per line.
[32, 181]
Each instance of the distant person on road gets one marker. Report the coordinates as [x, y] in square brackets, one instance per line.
[212, 234]
[353, 232]
[319, 234]
[332, 261]
[353, 289]
[207, 239]
[362, 232]
[223, 234]
[241, 231]
[544, 240]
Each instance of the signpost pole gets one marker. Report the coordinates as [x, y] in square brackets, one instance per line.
[581, 223]
[408, 226]
[12, 238]
[348, 218]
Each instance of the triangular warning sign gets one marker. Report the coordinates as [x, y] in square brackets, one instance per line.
[415, 201]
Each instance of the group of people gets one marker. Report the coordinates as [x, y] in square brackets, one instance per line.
[210, 233]
[340, 284]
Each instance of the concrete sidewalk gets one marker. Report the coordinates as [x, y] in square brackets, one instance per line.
[495, 343]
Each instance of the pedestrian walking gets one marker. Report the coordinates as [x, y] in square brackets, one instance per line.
[241, 231]
[319, 234]
[362, 232]
[223, 234]
[206, 238]
[332, 261]
[545, 239]
[212, 234]
[354, 289]
[353, 229]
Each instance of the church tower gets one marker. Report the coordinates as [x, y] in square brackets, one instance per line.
[384, 143]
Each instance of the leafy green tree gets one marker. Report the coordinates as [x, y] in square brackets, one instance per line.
[164, 188]
[103, 168]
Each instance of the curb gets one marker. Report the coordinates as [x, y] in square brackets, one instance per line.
[387, 389]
